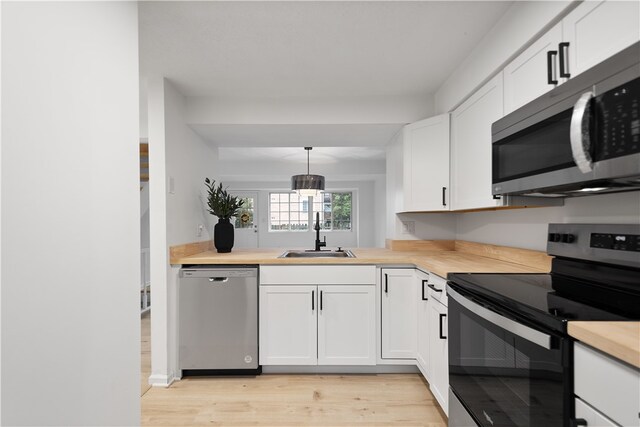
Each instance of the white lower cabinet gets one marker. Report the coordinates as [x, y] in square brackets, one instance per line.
[288, 325]
[422, 350]
[347, 325]
[439, 353]
[317, 325]
[399, 322]
[610, 387]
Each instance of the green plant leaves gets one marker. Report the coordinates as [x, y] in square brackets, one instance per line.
[220, 203]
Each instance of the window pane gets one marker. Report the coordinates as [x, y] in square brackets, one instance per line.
[335, 210]
[244, 219]
[288, 212]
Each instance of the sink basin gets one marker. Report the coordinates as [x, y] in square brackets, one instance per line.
[317, 254]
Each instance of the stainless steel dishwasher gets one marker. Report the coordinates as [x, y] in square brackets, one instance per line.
[218, 320]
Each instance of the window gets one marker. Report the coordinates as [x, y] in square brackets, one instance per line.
[335, 210]
[244, 219]
[288, 212]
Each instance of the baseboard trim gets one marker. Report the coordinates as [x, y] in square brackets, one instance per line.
[340, 369]
[159, 380]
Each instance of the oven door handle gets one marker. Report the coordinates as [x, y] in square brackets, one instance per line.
[518, 329]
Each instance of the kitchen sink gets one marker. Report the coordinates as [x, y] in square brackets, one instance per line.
[317, 254]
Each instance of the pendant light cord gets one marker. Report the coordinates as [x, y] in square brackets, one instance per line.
[308, 162]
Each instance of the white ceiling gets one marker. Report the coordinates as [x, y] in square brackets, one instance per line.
[297, 135]
[297, 155]
[301, 48]
[328, 52]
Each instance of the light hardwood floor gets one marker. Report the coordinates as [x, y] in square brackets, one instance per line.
[287, 400]
[294, 400]
[145, 352]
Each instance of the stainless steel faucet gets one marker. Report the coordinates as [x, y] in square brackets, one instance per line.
[319, 243]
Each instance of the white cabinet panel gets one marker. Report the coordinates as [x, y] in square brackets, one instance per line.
[596, 30]
[471, 147]
[399, 322]
[422, 348]
[426, 164]
[288, 331]
[610, 386]
[317, 274]
[591, 416]
[525, 78]
[439, 353]
[346, 325]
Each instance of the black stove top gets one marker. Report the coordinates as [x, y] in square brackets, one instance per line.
[595, 275]
[548, 299]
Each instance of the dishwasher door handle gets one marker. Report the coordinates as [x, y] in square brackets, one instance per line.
[219, 279]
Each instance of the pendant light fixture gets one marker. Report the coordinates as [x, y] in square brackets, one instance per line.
[307, 185]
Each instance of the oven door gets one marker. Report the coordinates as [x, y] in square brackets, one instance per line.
[504, 372]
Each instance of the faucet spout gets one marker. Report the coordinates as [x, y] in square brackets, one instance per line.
[319, 244]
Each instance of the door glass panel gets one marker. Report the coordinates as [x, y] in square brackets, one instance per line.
[544, 147]
[245, 214]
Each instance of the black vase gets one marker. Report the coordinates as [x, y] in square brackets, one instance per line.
[223, 235]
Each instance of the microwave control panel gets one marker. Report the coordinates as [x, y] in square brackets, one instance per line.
[618, 125]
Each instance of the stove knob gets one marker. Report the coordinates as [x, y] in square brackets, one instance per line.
[568, 238]
[555, 237]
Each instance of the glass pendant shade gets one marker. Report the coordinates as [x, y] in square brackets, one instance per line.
[307, 185]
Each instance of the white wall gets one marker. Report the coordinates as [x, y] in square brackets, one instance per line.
[70, 214]
[527, 228]
[366, 213]
[179, 160]
[523, 22]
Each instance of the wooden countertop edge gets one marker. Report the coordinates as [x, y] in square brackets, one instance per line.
[618, 339]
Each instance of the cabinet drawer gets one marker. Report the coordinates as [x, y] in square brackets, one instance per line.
[591, 416]
[607, 384]
[437, 288]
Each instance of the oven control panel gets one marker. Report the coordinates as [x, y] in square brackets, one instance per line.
[616, 242]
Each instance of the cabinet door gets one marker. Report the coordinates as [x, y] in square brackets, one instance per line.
[422, 350]
[595, 30]
[346, 325]
[288, 330]
[426, 164]
[439, 353]
[399, 322]
[526, 77]
[471, 147]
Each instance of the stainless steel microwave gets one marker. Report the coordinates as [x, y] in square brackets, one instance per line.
[583, 137]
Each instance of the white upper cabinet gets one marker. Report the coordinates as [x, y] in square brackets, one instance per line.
[589, 34]
[595, 30]
[525, 77]
[471, 147]
[426, 165]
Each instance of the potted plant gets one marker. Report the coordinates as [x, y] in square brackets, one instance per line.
[224, 206]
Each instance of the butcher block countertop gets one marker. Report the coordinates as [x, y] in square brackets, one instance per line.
[473, 257]
[618, 339]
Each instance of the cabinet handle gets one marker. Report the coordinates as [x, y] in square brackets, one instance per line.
[442, 316]
[434, 288]
[386, 283]
[550, 61]
[444, 197]
[313, 300]
[424, 298]
[563, 48]
[320, 300]
[578, 422]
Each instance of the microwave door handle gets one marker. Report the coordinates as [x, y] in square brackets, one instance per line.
[579, 133]
[518, 329]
